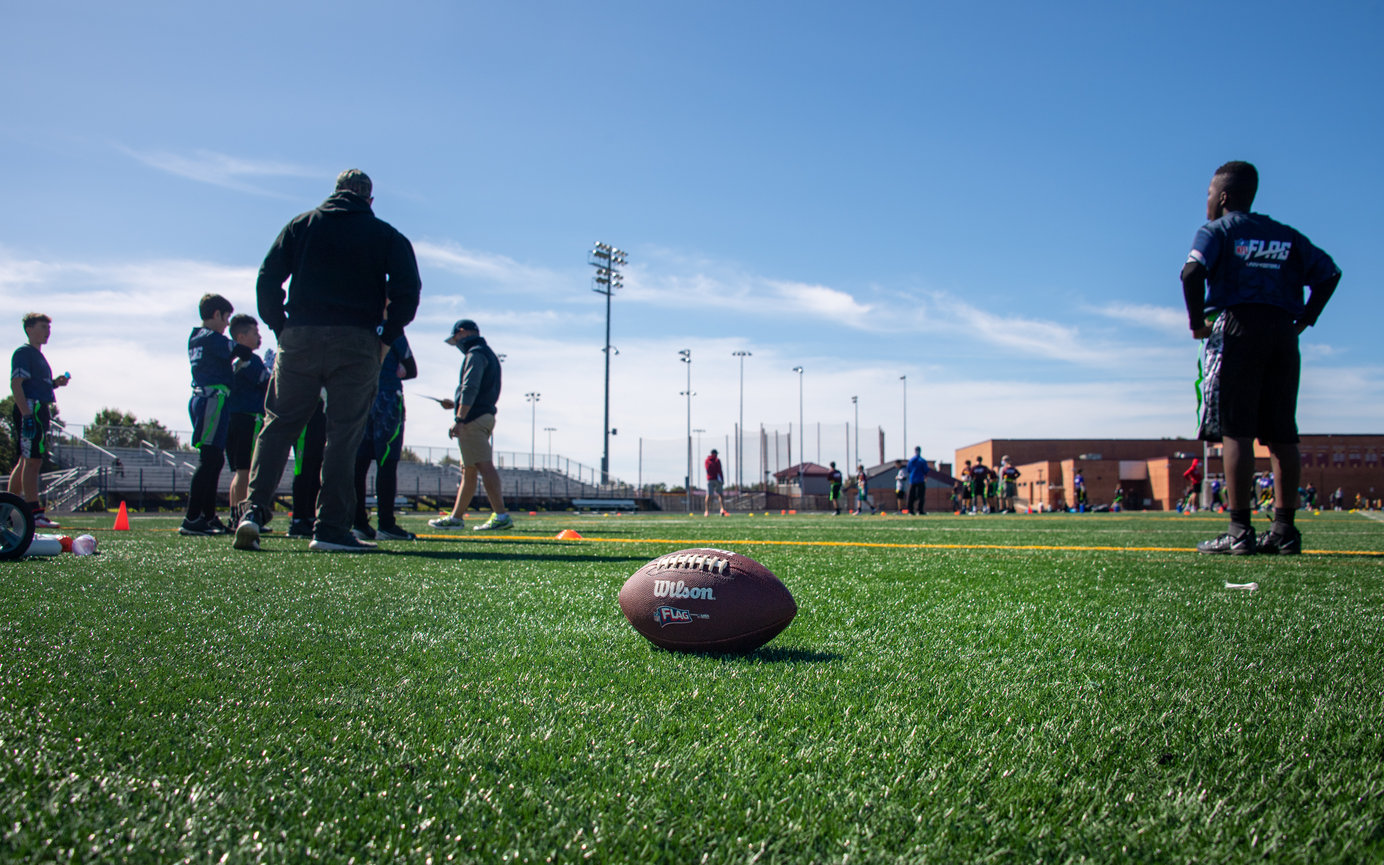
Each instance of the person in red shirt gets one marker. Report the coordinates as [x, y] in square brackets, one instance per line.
[1194, 477]
[715, 484]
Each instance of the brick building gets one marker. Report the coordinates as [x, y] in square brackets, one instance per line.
[1151, 470]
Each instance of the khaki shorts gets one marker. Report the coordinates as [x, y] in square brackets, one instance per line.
[475, 441]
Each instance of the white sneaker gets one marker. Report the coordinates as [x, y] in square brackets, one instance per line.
[448, 522]
[41, 521]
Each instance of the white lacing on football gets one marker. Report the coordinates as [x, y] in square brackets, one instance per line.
[690, 562]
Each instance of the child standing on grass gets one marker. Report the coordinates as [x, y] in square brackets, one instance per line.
[32, 384]
[245, 405]
[209, 353]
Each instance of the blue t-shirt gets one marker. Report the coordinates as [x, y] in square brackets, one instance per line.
[29, 364]
[209, 353]
[399, 355]
[249, 386]
[1250, 258]
[917, 469]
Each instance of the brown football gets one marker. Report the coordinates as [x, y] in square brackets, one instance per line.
[704, 600]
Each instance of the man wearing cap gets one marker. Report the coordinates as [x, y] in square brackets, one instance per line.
[354, 286]
[715, 483]
[473, 425]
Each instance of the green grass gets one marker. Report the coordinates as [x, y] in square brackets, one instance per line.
[484, 700]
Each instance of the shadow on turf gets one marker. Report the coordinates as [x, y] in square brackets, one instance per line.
[472, 554]
[762, 655]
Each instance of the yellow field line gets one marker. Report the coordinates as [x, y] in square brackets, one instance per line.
[703, 542]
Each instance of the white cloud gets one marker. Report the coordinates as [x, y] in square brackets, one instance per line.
[1166, 319]
[819, 301]
[220, 169]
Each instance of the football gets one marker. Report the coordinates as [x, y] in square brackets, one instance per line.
[704, 600]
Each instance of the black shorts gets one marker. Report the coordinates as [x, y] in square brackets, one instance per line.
[36, 447]
[1254, 389]
[240, 440]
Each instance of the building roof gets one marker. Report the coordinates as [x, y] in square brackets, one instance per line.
[810, 470]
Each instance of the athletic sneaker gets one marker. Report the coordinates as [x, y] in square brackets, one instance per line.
[448, 522]
[1273, 544]
[217, 527]
[363, 532]
[195, 527]
[1235, 545]
[344, 543]
[300, 529]
[496, 521]
[395, 533]
[41, 521]
[247, 532]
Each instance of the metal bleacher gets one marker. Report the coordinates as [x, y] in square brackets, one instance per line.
[148, 475]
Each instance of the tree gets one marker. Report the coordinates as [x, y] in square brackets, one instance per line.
[115, 428]
[7, 444]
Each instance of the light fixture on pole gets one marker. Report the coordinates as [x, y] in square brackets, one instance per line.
[550, 430]
[533, 425]
[740, 436]
[685, 355]
[607, 260]
[802, 432]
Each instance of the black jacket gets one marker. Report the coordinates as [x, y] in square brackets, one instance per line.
[345, 263]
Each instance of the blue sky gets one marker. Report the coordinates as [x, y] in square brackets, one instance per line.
[991, 199]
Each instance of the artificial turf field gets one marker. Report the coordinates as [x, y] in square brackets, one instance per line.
[1056, 688]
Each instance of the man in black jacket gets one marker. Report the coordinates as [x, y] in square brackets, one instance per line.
[354, 287]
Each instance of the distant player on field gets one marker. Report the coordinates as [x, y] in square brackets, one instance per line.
[1243, 287]
[834, 489]
[715, 483]
[918, 470]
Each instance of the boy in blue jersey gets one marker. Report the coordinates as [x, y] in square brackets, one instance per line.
[209, 353]
[1243, 286]
[32, 384]
[382, 443]
[245, 405]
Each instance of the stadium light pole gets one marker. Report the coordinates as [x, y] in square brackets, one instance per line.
[550, 430]
[740, 435]
[533, 425]
[855, 401]
[802, 431]
[685, 355]
[607, 260]
[904, 379]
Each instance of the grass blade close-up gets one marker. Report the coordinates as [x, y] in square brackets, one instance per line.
[1056, 688]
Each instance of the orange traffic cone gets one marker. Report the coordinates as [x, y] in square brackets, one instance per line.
[122, 519]
[569, 535]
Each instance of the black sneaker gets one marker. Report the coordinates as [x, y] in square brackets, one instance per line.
[198, 526]
[343, 543]
[1235, 545]
[300, 529]
[217, 527]
[1271, 543]
[247, 531]
[395, 533]
[363, 532]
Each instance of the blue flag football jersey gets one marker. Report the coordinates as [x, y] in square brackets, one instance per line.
[1250, 258]
[209, 354]
[29, 364]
